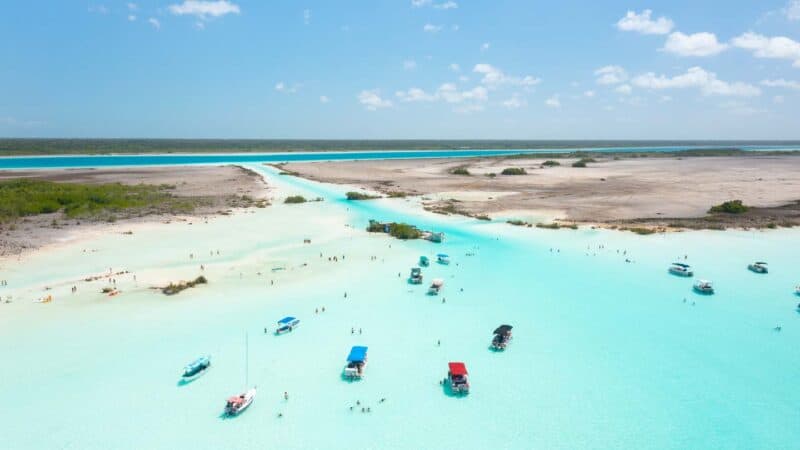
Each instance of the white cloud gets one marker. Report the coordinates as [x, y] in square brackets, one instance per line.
[324, 99]
[131, 18]
[280, 86]
[133, 6]
[515, 102]
[420, 3]
[463, 78]
[285, 88]
[468, 108]
[624, 89]
[611, 75]
[781, 83]
[455, 27]
[431, 28]
[589, 94]
[454, 67]
[792, 10]
[415, 95]
[493, 77]
[443, 5]
[154, 22]
[642, 23]
[697, 44]
[665, 99]
[553, 102]
[98, 9]
[448, 93]
[696, 77]
[203, 9]
[446, 5]
[371, 99]
[485, 46]
[409, 64]
[306, 16]
[779, 47]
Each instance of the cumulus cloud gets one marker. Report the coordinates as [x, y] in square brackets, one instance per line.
[696, 77]
[589, 94]
[515, 102]
[454, 67]
[409, 64]
[761, 46]
[443, 5]
[446, 5]
[485, 46]
[307, 16]
[494, 77]
[324, 99]
[792, 10]
[553, 102]
[447, 92]
[431, 28]
[642, 23]
[154, 22]
[203, 9]
[131, 17]
[697, 44]
[624, 89]
[611, 75]
[372, 101]
[781, 83]
[285, 88]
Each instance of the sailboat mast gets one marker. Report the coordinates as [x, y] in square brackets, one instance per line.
[246, 361]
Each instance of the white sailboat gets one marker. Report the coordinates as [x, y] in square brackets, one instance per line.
[238, 403]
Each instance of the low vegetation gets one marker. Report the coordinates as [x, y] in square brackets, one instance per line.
[397, 194]
[550, 163]
[173, 288]
[513, 171]
[352, 195]
[460, 171]
[583, 162]
[556, 226]
[398, 230]
[295, 199]
[730, 207]
[21, 198]
[518, 223]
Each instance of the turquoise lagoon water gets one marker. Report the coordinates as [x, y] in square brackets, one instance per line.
[606, 353]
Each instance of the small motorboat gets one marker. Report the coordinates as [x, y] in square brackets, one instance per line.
[424, 261]
[238, 403]
[758, 267]
[287, 324]
[356, 362]
[797, 289]
[502, 336]
[416, 276]
[436, 286]
[458, 378]
[441, 258]
[680, 269]
[704, 287]
[197, 367]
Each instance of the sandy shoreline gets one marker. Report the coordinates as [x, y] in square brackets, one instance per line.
[651, 192]
[217, 190]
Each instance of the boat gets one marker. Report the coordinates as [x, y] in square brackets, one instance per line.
[704, 287]
[436, 286]
[457, 377]
[196, 367]
[797, 289]
[416, 275]
[441, 258]
[502, 336]
[758, 267]
[424, 261]
[239, 403]
[287, 324]
[356, 362]
[680, 269]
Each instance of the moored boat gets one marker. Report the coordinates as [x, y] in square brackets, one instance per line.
[436, 286]
[196, 367]
[238, 403]
[797, 289]
[758, 267]
[681, 269]
[704, 287]
[502, 336]
[287, 324]
[416, 276]
[424, 261]
[356, 362]
[441, 258]
[458, 378]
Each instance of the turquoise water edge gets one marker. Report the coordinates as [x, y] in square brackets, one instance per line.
[609, 350]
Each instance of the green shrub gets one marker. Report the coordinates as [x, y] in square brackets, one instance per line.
[582, 162]
[730, 207]
[460, 171]
[295, 199]
[404, 231]
[550, 163]
[549, 226]
[360, 196]
[513, 171]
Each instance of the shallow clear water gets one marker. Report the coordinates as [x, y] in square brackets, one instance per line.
[606, 353]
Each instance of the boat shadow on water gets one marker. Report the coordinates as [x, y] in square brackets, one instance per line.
[187, 381]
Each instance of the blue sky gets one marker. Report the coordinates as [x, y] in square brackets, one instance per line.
[411, 69]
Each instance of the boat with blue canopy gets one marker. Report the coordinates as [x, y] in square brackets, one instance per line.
[197, 367]
[441, 258]
[287, 324]
[356, 362]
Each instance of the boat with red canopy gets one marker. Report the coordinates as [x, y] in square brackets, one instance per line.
[239, 403]
[457, 376]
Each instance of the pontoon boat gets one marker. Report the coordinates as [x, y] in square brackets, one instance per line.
[441, 258]
[704, 287]
[680, 269]
[416, 276]
[424, 261]
[356, 362]
[457, 377]
[287, 324]
[502, 336]
[758, 267]
[436, 286]
[235, 405]
[196, 367]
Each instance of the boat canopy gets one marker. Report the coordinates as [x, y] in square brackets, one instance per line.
[437, 282]
[423, 258]
[236, 400]
[442, 255]
[286, 320]
[457, 368]
[357, 354]
[503, 329]
[685, 266]
[762, 263]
